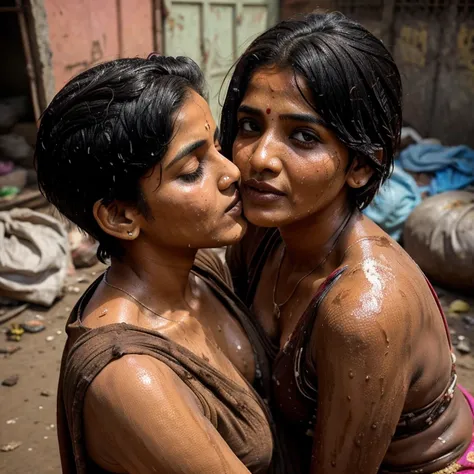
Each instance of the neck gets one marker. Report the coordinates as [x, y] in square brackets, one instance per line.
[158, 277]
[309, 240]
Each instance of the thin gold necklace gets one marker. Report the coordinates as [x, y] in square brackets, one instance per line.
[143, 305]
[278, 306]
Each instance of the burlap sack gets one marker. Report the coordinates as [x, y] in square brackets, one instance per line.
[439, 236]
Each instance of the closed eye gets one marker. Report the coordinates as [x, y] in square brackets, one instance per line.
[194, 176]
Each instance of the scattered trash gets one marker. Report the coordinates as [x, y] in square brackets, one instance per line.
[461, 338]
[73, 289]
[459, 306]
[83, 279]
[11, 381]
[33, 326]
[469, 320]
[59, 333]
[50, 338]
[30, 449]
[35, 251]
[12, 421]
[39, 317]
[11, 446]
[46, 393]
[10, 349]
[463, 347]
[15, 333]
[45, 437]
[6, 315]
[40, 407]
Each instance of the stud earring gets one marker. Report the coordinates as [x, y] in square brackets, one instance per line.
[130, 233]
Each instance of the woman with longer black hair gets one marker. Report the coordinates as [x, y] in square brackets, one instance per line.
[364, 377]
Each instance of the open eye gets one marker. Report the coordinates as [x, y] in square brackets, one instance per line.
[305, 137]
[247, 125]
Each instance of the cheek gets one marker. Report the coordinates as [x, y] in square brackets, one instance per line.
[241, 154]
[185, 204]
[315, 177]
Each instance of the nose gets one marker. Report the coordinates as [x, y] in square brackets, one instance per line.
[264, 156]
[229, 175]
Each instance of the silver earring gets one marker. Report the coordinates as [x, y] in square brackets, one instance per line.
[130, 233]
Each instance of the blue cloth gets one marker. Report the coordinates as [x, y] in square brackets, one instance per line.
[394, 203]
[453, 167]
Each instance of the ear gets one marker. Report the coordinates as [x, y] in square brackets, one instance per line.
[360, 171]
[117, 219]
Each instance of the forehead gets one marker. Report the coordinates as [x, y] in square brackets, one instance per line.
[193, 115]
[278, 88]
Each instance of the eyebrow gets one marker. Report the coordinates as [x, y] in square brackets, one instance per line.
[308, 118]
[188, 149]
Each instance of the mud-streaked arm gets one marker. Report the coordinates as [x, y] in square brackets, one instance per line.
[141, 418]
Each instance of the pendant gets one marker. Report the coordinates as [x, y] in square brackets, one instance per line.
[276, 311]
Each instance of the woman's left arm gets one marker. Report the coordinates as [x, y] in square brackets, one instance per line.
[360, 351]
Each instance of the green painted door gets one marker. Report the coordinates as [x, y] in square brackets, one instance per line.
[214, 33]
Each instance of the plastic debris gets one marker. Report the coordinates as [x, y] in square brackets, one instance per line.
[46, 393]
[468, 320]
[459, 306]
[33, 326]
[11, 381]
[50, 338]
[10, 349]
[463, 347]
[15, 333]
[11, 446]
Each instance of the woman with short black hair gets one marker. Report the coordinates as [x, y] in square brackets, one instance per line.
[157, 371]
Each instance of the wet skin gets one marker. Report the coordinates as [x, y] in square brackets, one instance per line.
[139, 416]
[379, 346]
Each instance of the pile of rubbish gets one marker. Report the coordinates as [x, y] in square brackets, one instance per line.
[17, 139]
[37, 249]
[428, 205]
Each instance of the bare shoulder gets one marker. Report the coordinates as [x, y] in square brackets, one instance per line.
[370, 304]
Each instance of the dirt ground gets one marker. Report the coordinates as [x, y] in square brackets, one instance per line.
[28, 409]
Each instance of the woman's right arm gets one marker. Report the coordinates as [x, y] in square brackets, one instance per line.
[140, 418]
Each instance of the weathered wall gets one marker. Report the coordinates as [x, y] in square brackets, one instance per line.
[81, 33]
[433, 45]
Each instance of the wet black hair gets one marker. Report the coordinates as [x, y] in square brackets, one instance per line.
[355, 85]
[105, 130]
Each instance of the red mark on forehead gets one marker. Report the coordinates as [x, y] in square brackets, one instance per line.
[269, 111]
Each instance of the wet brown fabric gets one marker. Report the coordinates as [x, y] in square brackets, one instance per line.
[233, 411]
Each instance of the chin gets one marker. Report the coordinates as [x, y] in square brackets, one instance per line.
[263, 218]
[234, 234]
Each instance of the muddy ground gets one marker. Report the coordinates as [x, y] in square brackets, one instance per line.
[28, 409]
